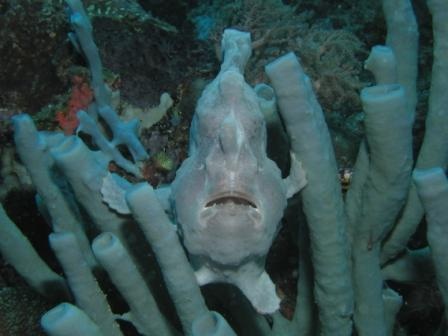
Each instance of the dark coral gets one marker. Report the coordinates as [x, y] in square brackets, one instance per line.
[32, 35]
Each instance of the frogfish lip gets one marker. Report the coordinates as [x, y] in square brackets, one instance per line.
[228, 197]
[231, 209]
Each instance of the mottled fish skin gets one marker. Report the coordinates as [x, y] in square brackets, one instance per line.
[228, 196]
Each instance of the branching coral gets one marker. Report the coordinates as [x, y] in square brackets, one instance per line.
[330, 57]
[272, 25]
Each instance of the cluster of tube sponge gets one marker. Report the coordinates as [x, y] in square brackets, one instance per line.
[68, 176]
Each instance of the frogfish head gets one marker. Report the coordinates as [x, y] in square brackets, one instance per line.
[228, 196]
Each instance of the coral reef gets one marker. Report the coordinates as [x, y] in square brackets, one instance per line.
[330, 56]
[351, 251]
